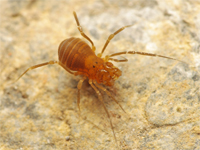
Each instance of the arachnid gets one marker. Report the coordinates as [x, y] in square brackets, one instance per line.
[78, 58]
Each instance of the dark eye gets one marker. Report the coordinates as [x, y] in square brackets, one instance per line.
[96, 62]
[93, 66]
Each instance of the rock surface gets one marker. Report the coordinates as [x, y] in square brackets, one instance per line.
[161, 97]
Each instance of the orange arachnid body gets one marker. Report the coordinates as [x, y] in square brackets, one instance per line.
[77, 55]
[78, 58]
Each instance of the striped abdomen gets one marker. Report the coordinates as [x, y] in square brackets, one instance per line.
[73, 52]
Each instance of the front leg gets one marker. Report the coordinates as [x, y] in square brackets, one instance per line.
[102, 102]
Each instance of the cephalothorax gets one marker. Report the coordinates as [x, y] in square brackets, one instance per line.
[78, 58]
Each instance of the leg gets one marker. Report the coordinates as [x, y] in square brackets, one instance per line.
[59, 63]
[110, 38]
[108, 93]
[140, 53]
[79, 88]
[81, 31]
[101, 99]
[107, 58]
[44, 64]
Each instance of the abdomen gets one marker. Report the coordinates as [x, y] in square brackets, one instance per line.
[73, 52]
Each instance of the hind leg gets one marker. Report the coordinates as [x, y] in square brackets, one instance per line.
[44, 64]
[79, 88]
[81, 31]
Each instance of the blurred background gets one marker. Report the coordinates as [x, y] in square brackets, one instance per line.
[161, 97]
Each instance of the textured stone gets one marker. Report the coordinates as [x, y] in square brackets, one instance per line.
[160, 96]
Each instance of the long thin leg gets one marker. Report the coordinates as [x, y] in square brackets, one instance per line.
[108, 93]
[111, 37]
[59, 63]
[101, 99]
[81, 31]
[107, 58]
[44, 64]
[79, 88]
[140, 53]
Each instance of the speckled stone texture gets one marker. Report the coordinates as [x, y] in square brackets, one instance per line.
[161, 97]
